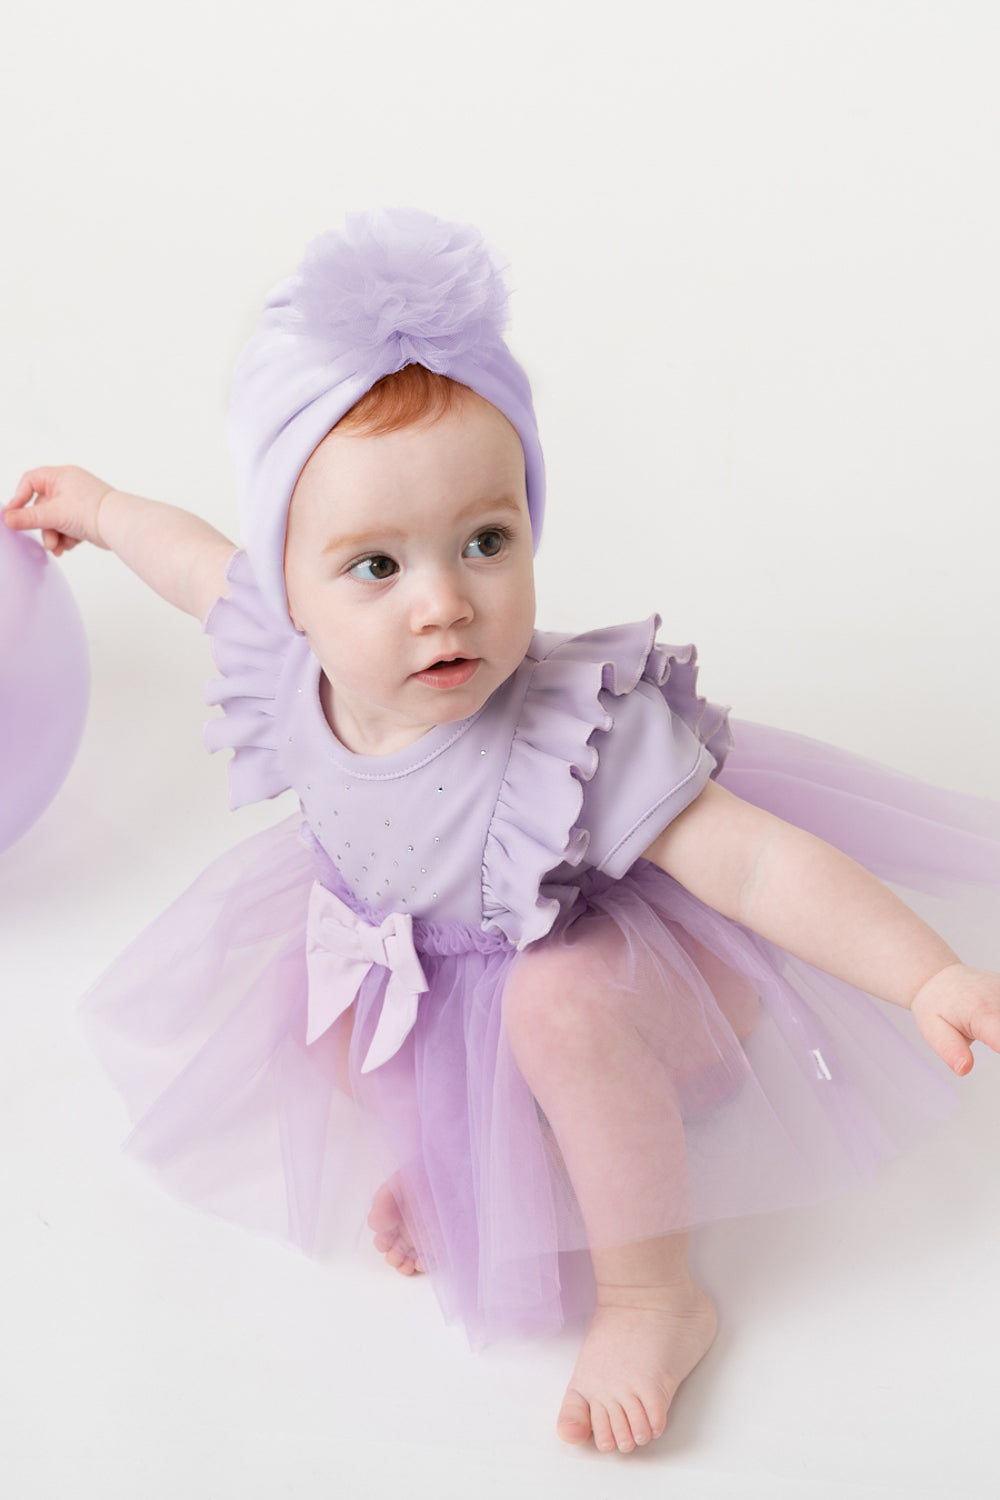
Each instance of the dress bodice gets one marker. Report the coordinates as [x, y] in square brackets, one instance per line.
[578, 760]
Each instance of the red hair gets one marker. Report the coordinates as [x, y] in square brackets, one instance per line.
[405, 398]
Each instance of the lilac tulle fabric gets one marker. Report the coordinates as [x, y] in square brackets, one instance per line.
[756, 1082]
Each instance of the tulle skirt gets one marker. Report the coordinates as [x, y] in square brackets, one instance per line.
[736, 1080]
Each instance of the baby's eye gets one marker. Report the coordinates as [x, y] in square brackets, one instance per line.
[373, 569]
[487, 543]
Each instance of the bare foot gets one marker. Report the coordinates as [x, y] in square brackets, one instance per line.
[392, 1237]
[642, 1342]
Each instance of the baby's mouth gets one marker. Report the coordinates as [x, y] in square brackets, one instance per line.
[452, 671]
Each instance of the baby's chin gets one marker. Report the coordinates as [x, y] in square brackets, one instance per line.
[452, 692]
[446, 693]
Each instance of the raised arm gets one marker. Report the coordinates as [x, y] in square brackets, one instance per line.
[819, 905]
[177, 554]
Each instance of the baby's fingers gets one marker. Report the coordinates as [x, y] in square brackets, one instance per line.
[57, 542]
[20, 515]
[63, 502]
[34, 482]
[985, 1025]
[948, 1042]
[24, 518]
[957, 1007]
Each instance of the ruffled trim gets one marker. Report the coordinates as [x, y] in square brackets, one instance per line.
[551, 757]
[251, 649]
[674, 670]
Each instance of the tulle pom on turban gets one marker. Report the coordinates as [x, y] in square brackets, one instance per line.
[394, 287]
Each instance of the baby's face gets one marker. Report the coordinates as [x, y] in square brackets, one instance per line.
[408, 565]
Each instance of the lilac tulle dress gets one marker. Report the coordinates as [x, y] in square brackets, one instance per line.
[322, 1011]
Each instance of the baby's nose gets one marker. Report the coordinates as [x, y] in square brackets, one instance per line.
[442, 602]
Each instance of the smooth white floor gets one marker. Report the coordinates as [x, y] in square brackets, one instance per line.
[150, 1351]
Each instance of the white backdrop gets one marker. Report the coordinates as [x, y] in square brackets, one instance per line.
[754, 252]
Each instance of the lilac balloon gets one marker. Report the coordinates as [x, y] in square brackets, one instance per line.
[44, 681]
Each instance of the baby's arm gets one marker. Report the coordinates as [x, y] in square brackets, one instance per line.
[822, 907]
[181, 557]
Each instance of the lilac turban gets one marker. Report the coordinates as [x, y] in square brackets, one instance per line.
[395, 287]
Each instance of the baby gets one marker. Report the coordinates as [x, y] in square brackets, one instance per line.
[521, 922]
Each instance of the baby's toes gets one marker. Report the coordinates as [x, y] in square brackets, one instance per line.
[604, 1432]
[642, 1427]
[655, 1404]
[621, 1427]
[573, 1424]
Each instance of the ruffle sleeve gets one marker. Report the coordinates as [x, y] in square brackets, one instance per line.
[613, 741]
[252, 650]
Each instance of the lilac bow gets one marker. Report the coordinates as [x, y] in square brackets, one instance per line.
[340, 949]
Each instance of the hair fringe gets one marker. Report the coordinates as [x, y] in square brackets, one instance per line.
[405, 398]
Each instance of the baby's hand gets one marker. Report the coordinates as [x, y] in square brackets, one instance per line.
[62, 503]
[958, 1006]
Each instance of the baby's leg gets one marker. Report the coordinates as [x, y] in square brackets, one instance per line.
[577, 1037]
[386, 1218]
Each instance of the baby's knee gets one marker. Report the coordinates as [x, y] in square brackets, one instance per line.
[560, 996]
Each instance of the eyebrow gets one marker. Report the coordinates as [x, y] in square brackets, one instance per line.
[394, 534]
